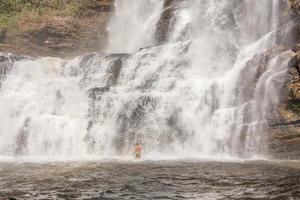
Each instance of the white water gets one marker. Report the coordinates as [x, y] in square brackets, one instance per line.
[197, 95]
[133, 25]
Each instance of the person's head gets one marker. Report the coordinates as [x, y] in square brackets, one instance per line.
[137, 143]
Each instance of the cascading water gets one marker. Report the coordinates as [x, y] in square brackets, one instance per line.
[133, 25]
[201, 87]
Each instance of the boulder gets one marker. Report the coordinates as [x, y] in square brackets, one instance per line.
[294, 6]
[2, 35]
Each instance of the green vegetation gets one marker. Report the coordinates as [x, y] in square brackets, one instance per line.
[10, 6]
[16, 12]
[294, 106]
[9, 10]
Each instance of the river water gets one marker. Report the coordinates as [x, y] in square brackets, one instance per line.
[181, 179]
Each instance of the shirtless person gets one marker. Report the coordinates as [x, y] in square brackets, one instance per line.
[137, 151]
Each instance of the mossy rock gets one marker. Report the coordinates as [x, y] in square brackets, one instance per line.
[293, 105]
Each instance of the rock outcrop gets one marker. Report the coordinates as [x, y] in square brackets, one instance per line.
[58, 28]
[284, 131]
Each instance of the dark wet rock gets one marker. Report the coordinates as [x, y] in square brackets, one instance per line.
[105, 192]
[285, 130]
[293, 105]
[6, 63]
[96, 92]
[176, 127]
[131, 117]
[99, 89]
[22, 138]
[87, 59]
[115, 66]
[7, 60]
[295, 61]
[13, 57]
[294, 82]
[4, 59]
[291, 123]
[95, 95]
[164, 24]
[2, 35]
[82, 68]
[128, 187]
[294, 6]
[117, 55]
[91, 62]
[148, 82]
[140, 108]
[256, 67]
[108, 191]
[90, 140]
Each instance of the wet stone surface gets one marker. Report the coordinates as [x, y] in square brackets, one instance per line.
[150, 180]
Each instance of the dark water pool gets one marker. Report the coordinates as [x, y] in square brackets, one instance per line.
[150, 180]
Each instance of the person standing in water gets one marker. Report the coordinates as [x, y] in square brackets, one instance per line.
[137, 151]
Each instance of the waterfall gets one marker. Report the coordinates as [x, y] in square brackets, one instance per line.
[184, 78]
[133, 25]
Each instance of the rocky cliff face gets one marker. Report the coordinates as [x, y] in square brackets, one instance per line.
[285, 132]
[284, 129]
